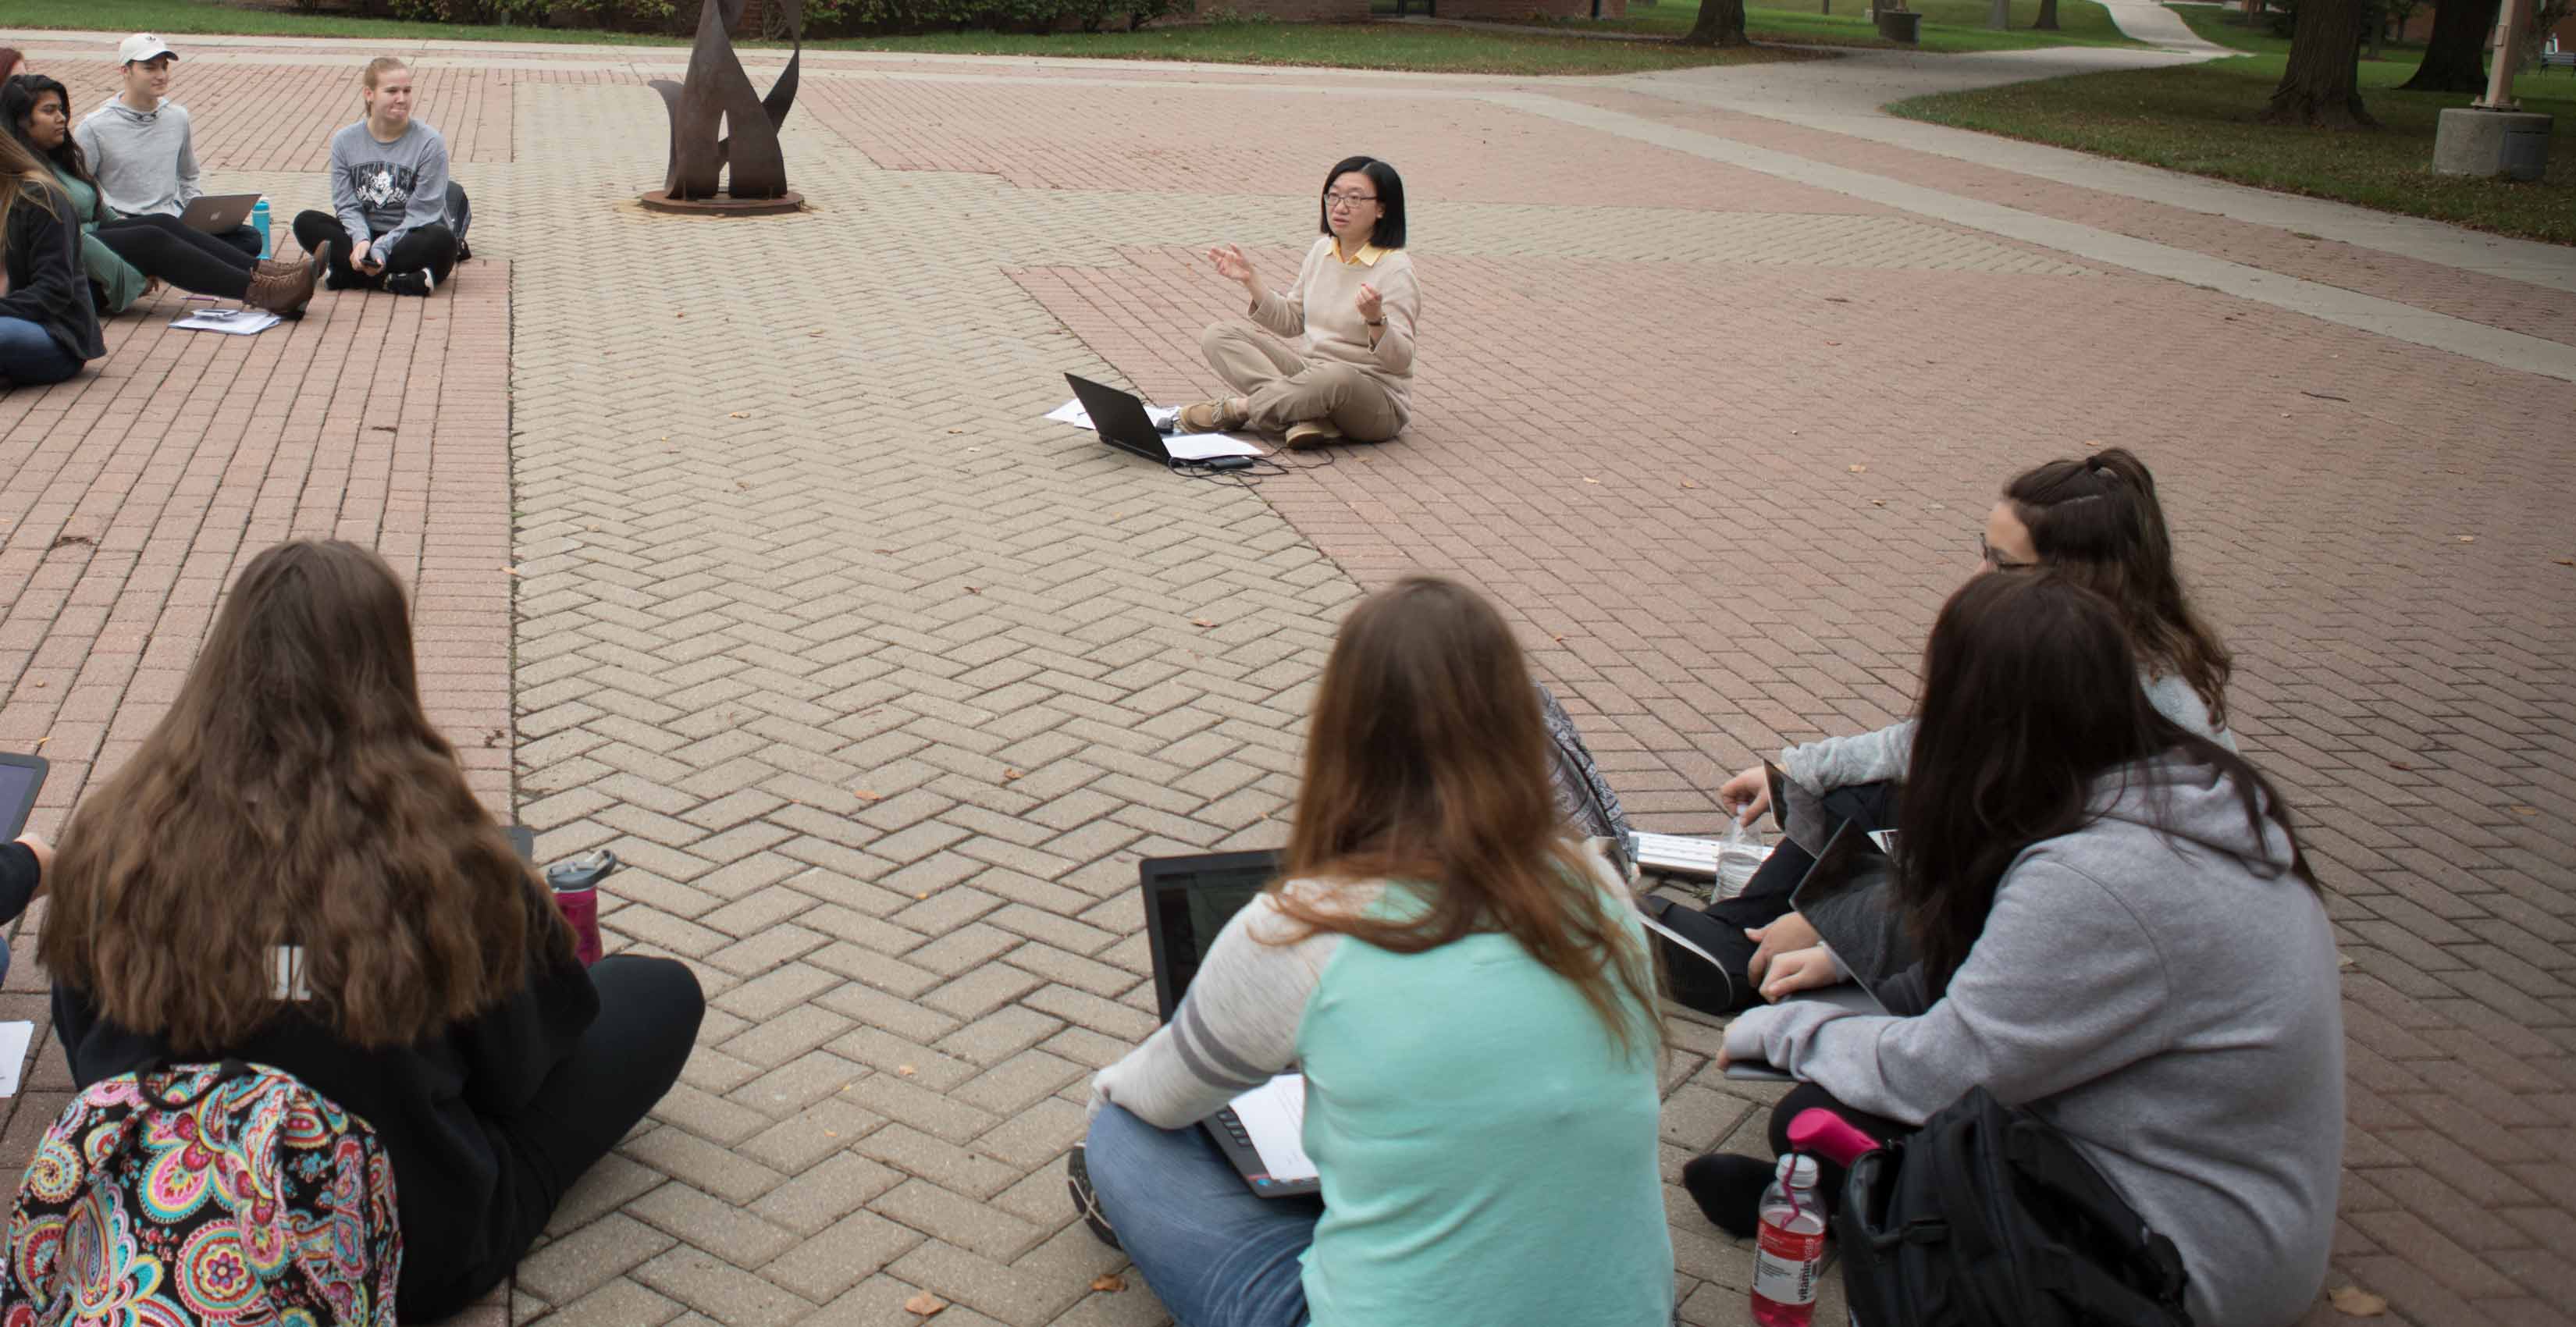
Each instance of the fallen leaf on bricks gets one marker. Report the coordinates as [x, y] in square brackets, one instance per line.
[1590, 480]
[2344, 960]
[2355, 1302]
[40, 742]
[739, 414]
[1201, 622]
[1009, 774]
[1833, 343]
[865, 796]
[924, 1304]
[956, 430]
[2524, 810]
[1109, 1283]
[972, 590]
[2567, 562]
[510, 570]
[1878, 502]
[887, 551]
[40, 686]
[1857, 469]
[2468, 539]
[1688, 484]
[906, 1070]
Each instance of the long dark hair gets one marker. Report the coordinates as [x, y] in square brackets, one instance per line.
[2030, 696]
[1389, 232]
[296, 794]
[19, 97]
[1427, 762]
[2095, 520]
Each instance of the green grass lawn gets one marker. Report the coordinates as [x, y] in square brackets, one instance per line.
[1358, 45]
[1948, 25]
[2201, 119]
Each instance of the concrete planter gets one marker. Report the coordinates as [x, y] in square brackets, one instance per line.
[2484, 143]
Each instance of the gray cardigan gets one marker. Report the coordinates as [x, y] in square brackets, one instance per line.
[2167, 996]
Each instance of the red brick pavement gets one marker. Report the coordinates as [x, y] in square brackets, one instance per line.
[1723, 504]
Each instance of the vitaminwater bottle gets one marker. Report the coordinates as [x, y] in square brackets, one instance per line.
[1789, 1251]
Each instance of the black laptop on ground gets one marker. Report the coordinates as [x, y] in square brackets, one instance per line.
[1188, 900]
[1121, 419]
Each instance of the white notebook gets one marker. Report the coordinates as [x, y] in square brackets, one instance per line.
[1274, 1115]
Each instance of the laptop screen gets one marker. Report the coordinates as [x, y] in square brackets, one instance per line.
[1187, 902]
[1849, 895]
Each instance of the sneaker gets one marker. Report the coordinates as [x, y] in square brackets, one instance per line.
[1077, 1180]
[1212, 416]
[1312, 433]
[411, 283]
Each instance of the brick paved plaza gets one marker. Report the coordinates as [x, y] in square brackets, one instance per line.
[740, 548]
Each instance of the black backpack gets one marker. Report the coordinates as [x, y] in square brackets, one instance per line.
[1989, 1217]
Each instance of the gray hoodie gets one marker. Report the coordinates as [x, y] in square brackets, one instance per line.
[2170, 999]
[145, 161]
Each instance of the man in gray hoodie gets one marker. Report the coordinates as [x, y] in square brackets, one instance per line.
[2159, 985]
[139, 144]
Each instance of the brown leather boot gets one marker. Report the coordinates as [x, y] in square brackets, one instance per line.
[286, 293]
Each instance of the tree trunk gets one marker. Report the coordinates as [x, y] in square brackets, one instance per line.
[2322, 86]
[1721, 23]
[2455, 58]
[2047, 21]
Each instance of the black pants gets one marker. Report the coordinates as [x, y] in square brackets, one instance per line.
[1808, 1096]
[186, 257]
[648, 1022]
[245, 238]
[430, 248]
[1720, 927]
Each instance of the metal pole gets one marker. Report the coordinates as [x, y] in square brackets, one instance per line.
[2508, 36]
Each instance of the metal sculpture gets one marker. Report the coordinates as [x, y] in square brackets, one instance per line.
[717, 93]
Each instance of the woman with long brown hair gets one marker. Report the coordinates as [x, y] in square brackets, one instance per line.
[47, 327]
[2118, 930]
[1469, 998]
[292, 871]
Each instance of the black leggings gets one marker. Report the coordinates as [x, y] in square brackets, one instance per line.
[648, 1022]
[430, 248]
[176, 252]
[1720, 927]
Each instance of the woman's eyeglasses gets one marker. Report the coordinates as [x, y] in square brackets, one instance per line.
[1348, 200]
[1995, 561]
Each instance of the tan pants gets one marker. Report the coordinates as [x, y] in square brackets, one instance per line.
[1284, 388]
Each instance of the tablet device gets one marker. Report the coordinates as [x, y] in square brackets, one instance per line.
[20, 777]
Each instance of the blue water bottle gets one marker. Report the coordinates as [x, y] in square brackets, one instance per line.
[259, 222]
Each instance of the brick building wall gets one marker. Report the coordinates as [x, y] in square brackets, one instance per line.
[1513, 10]
[1286, 11]
[2419, 25]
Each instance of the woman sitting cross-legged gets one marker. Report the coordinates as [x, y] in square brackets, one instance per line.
[295, 812]
[1351, 311]
[2118, 932]
[48, 328]
[397, 222]
[124, 256]
[1471, 1002]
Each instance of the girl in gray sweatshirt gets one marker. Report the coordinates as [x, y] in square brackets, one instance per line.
[2119, 933]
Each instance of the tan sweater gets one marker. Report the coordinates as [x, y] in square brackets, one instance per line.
[1323, 309]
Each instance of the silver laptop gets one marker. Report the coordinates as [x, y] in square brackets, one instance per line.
[217, 213]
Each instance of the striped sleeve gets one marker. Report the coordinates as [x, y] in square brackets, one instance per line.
[1236, 1027]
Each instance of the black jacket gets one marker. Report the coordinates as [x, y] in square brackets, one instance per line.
[46, 285]
[435, 1106]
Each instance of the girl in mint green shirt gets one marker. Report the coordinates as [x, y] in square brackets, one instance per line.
[1467, 994]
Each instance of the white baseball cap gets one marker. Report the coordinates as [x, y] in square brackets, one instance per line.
[142, 46]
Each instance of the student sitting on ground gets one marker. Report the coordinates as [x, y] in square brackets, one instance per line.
[125, 258]
[1470, 999]
[2094, 519]
[2118, 931]
[400, 222]
[1351, 311]
[140, 145]
[47, 327]
[292, 871]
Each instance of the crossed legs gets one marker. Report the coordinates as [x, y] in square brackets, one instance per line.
[1282, 388]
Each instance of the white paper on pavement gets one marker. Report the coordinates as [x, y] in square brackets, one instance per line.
[1274, 1115]
[230, 322]
[14, 1038]
[1071, 412]
[1201, 446]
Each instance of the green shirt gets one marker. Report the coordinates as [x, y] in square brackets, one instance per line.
[1488, 1150]
[119, 279]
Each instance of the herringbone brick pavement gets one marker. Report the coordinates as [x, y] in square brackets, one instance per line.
[881, 685]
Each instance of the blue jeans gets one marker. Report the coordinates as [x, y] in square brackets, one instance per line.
[29, 355]
[1217, 1255]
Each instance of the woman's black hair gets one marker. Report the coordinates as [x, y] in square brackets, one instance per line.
[2030, 697]
[18, 98]
[1390, 195]
[2096, 520]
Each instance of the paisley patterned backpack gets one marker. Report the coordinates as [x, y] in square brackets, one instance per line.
[207, 1194]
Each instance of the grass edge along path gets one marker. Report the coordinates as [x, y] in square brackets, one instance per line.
[1414, 48]
[1949, 26]
[2200, 119]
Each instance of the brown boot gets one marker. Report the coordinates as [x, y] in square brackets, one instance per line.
[286, 293]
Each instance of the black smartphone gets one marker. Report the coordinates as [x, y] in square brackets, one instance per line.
[20, 777]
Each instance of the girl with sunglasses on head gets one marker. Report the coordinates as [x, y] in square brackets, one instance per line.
[1350, 312]
[2117, 931]
[2094, 520]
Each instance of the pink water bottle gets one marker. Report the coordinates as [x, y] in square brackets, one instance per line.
[1789, 1252]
